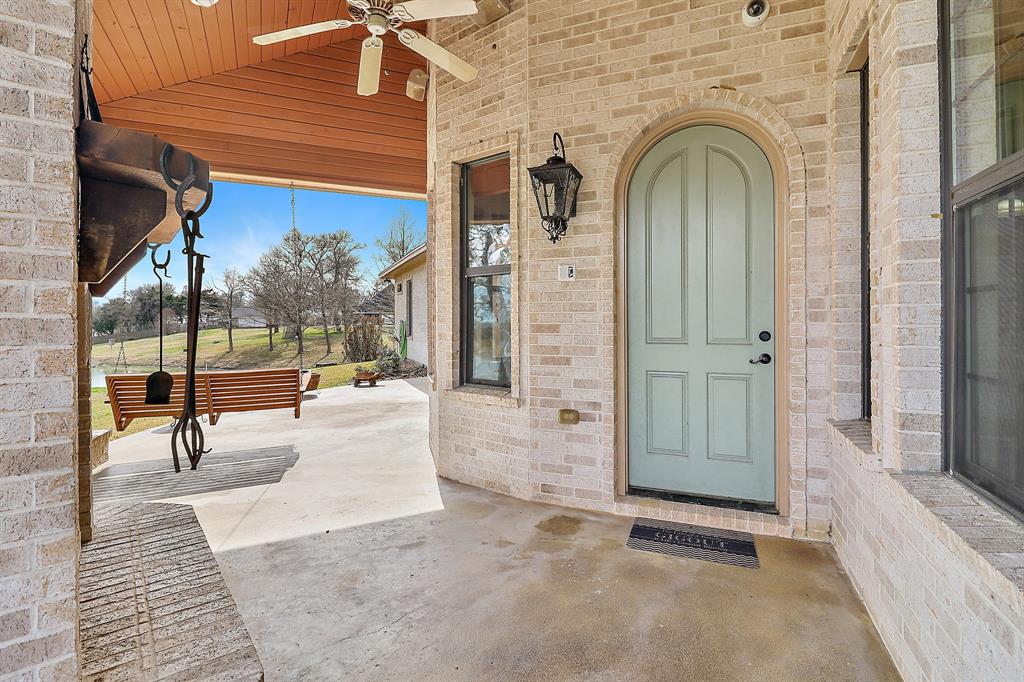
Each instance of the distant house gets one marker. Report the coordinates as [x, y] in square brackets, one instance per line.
[377, 306]
[409, 276]
[244, 317]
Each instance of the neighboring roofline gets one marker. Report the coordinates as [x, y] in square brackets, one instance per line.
[404, 262]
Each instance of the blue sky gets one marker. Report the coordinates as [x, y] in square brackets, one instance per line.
[246, 220]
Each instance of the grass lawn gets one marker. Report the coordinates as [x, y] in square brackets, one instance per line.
[103, 418]
[250, 352]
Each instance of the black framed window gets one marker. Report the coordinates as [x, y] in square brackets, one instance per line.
[408, 309]
[983, 173]
[865, 242]
[486, 272]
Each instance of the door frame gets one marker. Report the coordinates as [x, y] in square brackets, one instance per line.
[780, 181]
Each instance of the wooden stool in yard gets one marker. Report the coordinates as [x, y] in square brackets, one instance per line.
[369, 377]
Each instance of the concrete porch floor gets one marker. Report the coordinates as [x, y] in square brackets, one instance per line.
[358, 563]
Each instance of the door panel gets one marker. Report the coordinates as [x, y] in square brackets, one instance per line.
[728, 422]
[667, 420]
[728, 240]
[700, 289]
[665, 245]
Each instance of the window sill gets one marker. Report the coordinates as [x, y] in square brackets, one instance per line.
[484, 395]
[955, 513]
[996, 536]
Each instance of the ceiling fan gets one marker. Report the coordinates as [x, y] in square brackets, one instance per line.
[381, 16]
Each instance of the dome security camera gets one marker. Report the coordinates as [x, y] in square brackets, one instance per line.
[754, 12]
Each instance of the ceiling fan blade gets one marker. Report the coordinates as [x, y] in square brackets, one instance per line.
[420, 44]
[369, 66]
[299, 31]
[418, 10]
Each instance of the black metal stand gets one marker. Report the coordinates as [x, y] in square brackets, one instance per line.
[187, 428]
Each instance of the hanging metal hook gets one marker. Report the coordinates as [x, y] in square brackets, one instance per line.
[159, 266]
[188, 183]
[86, 57]
[556, 145]
[165, 158]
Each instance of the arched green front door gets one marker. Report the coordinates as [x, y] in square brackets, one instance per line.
[700, 302]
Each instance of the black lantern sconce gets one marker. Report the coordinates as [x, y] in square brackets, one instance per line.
[555, 185]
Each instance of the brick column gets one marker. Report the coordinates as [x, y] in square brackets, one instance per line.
[906, 268]
[39, 540]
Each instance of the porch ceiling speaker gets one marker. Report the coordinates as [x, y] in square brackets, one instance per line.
[381, 16]
[416, 86]
[489, 11]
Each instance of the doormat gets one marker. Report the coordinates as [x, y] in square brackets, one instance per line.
[731, 547]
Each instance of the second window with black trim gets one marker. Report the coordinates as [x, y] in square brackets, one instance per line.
[486, 272]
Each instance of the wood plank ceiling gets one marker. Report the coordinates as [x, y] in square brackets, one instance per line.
[274, 113]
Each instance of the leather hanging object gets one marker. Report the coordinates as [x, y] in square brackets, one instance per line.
[159, 383]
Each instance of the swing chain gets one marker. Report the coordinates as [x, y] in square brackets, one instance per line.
[122, 357]
[157, 267]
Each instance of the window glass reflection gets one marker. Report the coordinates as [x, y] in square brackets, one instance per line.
[488, 231]
[986, 83]
[490, 301]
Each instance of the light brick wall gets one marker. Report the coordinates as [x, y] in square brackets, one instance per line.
[943, 611]
[39, 537]
[601, 75]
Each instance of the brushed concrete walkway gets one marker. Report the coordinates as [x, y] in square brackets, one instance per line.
[358, 563]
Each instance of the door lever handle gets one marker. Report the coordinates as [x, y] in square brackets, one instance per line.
[762, 359]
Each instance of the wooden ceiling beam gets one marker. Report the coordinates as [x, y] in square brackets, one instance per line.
[260, 147]
[282, 131]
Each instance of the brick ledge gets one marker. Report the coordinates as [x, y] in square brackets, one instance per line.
[967, 523]
[857, 435]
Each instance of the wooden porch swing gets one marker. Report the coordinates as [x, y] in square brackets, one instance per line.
[217, 392]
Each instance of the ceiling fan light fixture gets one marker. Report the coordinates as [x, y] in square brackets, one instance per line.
[205, 3]
[416, 86]
[489, 11]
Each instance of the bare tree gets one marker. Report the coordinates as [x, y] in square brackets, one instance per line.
[334, 265]
[261, 303]
[283, 282]
[401, 238]
[230, 288]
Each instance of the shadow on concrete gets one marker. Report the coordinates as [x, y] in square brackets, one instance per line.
[156, 479]
[422, 384]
